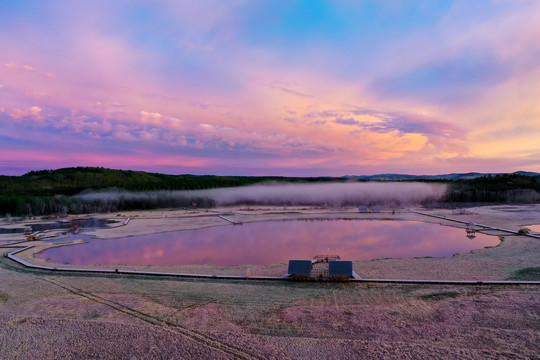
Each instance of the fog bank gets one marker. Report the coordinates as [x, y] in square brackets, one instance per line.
[319, 194]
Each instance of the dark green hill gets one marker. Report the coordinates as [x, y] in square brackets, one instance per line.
[502, 188]
[71, 181]
[28, 193]
[47, 192]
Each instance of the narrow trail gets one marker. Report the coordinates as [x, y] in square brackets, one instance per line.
[484, 227]
[355, 279]
[196, 336]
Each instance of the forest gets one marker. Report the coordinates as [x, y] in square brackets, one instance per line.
[55, 192]
[47, 192]
[503, 188]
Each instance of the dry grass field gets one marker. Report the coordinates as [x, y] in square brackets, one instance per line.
[52, 315]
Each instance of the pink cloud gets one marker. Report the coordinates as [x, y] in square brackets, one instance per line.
[32, 113]
[276, 112]
[150, 118]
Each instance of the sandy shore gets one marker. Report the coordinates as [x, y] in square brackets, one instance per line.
[498, 263]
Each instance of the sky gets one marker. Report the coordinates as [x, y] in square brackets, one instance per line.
[270, 87]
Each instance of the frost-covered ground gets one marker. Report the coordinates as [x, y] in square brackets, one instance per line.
[45, 315]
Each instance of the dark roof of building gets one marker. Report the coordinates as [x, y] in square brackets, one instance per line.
[299, 267]
[340, 268]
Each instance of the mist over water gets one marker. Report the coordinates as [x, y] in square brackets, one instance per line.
[320, 194]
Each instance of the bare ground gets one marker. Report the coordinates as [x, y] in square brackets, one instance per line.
[46, 315]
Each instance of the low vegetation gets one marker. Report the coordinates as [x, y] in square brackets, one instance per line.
[440, 295]
[91, 315]
[136, 317]
[527, 274]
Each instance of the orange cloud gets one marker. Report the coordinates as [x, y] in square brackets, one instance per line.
[150, 118]
[32, 113]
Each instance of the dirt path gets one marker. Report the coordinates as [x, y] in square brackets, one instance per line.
[207, 341]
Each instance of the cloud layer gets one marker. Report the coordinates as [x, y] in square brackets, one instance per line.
[271, 88]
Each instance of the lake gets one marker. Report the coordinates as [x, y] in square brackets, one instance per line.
[273, 242]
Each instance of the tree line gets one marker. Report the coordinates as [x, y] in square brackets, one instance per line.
[48, 192]
[503, 188]
[52, 192]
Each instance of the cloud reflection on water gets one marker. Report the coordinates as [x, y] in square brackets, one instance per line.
[275, 242]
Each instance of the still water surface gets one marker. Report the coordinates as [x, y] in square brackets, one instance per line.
[275, 242]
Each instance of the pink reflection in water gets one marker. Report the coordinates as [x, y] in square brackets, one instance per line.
[275, 242]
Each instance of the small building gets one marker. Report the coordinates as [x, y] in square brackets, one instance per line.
[470, 230]
[300, 269]
[363, 209]
[340, 270]
[376, 209]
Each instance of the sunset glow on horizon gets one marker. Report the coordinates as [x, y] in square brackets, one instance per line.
[292, 88]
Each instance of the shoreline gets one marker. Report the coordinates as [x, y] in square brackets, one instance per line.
[117, 271]
[491, 264]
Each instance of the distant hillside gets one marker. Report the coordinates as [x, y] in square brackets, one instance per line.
[52, 191]
[28, 193]
[71, 181]
[501, 188]
[452, 176]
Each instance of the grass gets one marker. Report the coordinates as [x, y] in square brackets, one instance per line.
[267, 319]
[91, 315]
[280, 319]
[527, 274]
[440, 295]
